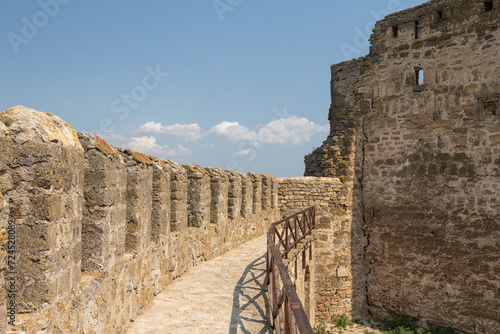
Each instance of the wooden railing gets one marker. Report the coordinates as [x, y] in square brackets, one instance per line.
[288, 313]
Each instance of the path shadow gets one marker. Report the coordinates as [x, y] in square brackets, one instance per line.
[251, 312]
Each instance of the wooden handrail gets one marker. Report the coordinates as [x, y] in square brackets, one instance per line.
[287, 311]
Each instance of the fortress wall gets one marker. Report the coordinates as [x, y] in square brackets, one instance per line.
[101, 230]
[422, 159]
[331, 198]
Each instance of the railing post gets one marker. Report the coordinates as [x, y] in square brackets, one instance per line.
[293, 324]
[286, 310]
[277, 293]
[286, 238]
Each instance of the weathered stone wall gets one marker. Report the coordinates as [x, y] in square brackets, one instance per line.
[100, 230]
[421, 155]
[300, 264]
[332, 253]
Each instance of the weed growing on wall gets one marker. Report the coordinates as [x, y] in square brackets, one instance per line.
[320, 328]
[341, 320]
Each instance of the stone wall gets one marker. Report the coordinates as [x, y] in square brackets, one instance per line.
[300, 264]
[100, 230]
[415, 135]
[332, 252]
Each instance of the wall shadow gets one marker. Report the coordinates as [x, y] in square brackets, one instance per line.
[251, 312]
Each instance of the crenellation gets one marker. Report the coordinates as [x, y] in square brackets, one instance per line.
[104, 219]
[266, 191]
[178, 197]
[405, 189]
[234, 203]
[198, 196]
[102, 229]
[219, 187]
[256, 180]
[139, 171]
[246, 196]
[160, 218]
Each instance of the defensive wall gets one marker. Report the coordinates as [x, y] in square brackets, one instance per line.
[99, 230]
[405, 186]
[415, 139]
[333, 214]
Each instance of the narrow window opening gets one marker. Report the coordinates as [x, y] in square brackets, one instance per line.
[416, 29]
[440, 15]
[419, 75]
[395, 32]
[488, 6]
[488, 105]
[490, 108]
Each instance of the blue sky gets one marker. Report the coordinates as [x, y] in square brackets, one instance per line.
[235, 84]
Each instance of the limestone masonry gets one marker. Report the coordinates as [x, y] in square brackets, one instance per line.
[406, 189]
[100, 230]
[415, 140]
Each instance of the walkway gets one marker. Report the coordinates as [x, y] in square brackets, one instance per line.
[223, 295]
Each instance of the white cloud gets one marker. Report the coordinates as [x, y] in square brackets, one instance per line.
[147, 144]
[292, 130]
[179, 151]
[242, 153]
[143, 144]
[233, 131]
[188, 132]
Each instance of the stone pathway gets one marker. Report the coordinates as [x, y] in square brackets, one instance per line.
[223, 295]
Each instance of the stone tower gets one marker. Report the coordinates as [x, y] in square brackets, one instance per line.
[415, 135]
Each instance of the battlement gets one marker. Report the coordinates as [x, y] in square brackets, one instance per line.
[99, 229]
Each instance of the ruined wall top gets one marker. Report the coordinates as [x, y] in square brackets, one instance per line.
[432, 23]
